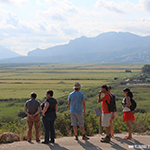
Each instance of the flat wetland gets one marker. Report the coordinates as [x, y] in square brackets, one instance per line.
[17, 81]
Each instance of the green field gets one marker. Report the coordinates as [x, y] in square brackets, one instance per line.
[17, 81]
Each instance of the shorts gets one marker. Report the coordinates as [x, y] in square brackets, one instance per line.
[106, 120]
[128, 116]
[77, 119]
[114, 115]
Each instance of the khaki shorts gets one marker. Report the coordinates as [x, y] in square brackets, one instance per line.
[106, 120]
[77, 119]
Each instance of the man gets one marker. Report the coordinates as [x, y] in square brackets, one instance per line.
[32, 109]
[112, 113]
[105, 111]
[76, 100]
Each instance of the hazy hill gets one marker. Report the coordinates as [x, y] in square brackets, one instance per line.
[106, 47]
[6, 53]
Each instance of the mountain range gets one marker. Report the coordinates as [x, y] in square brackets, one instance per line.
[120, 47]
[6, 53]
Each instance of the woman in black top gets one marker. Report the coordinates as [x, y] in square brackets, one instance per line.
[49, 116]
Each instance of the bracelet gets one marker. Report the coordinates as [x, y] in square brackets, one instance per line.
[99, 94]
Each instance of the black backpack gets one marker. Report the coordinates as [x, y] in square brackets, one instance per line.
[133, 104]
[112, 105]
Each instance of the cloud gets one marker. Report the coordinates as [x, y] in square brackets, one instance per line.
[59, 12]
[145, 4]
[14, 2]
[111, 6]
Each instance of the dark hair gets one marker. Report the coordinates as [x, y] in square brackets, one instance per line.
[33, 95]
[76, 89]
[105, 87]
[130, 94]
[109, 87]
[50, 92]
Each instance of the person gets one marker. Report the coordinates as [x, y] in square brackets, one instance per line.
[32, 109]
[49, 116]
[106, 115]
[127, 113]
[112, 113]
[76, 100]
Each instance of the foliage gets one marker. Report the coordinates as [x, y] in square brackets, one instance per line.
[63, 125]
[146, 68]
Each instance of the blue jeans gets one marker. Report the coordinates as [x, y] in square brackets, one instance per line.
[48, 128]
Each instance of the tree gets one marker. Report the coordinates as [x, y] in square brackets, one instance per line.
[146, 68]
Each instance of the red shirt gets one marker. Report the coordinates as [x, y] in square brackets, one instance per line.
[105, 109]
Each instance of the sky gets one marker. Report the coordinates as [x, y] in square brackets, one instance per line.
[29, 24]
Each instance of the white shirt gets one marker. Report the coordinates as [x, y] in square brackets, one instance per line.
[126, 109]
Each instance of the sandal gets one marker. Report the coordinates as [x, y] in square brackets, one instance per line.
[128, 138]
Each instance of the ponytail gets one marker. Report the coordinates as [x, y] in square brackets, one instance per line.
[130, 94]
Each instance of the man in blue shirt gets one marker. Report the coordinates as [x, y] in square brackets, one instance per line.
[76, 101]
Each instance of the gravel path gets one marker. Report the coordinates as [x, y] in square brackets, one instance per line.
[68, 143]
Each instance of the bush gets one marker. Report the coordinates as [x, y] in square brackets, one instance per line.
[146, 68]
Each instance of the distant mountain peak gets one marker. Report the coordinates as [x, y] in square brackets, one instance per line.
[106, 47]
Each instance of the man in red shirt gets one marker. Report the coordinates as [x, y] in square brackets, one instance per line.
[106, 115]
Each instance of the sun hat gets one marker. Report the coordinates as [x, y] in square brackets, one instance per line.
[77, 85]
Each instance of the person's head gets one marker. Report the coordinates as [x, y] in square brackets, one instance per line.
[77, 86]
[109, 88]
[104, 88]
[33, 95]
[127, 92]
[49, 93]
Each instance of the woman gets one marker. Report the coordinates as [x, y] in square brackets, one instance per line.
[49, 116]
[127, 113]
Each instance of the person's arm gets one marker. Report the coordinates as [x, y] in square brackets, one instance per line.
[39, 110]
[46, 105]
[128, 102]
[56, 107]
[83, 103]
[113, 115]
[69, 104]
[25, 110]
[99, 97]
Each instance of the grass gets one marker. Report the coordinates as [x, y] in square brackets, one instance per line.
[19, 80]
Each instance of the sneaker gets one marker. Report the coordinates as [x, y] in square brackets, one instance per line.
[52, 141]
[29, 141]
[110, 136]
[106, 139]
[44, 142]
[76, 138]
[85, 138]
[38, 141]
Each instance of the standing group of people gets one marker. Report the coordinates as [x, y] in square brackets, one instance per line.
[77, 107]
[49, 109]
[107, 116]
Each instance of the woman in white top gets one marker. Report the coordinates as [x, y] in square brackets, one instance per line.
[127, 113]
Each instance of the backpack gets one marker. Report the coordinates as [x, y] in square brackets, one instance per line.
[133, 104]
[112, 105]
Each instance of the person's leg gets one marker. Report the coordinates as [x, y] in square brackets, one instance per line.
[46, 124]
[30, 125]
[52, 131]
[129, 129]
[37, 127]
[107, 131]
[74, 124]
[82, 130]
[111, 128]
[75, 130]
